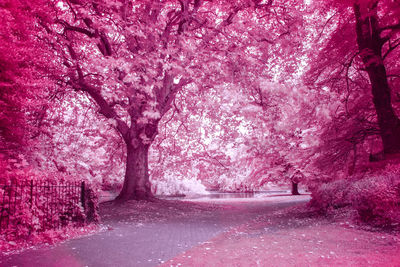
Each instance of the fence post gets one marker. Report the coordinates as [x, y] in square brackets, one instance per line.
[83, 195]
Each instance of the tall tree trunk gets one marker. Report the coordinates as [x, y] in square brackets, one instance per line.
[370, 46]
[136, 182]
[295, 188]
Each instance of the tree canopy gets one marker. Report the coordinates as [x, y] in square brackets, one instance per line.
[222, 94]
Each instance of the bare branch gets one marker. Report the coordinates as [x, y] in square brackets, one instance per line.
[68, 27]
[325, 24]
[105, 108]
[214, 158]
[391, 48]
[393, 27]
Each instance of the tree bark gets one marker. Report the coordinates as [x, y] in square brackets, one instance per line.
[370, 46]
[136, 183]
[295, 188]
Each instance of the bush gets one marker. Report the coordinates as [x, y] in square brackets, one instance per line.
[331, 195]
[375, 198]
[171, 185]
[33, 202]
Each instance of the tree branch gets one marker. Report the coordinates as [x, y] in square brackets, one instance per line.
[214, 158]
[105, 109]
[391, 48]
[68, 27]
[390, 27]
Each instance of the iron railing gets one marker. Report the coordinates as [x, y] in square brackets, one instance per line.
[41, 205]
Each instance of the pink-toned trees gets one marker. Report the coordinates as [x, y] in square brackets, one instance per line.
[377, 29]
[200, 140]
[289, 137]
[26, 73]
[363, 39]
[78, 142]
[235, 142]
[237, 133]
[132, 58]
[357, 64]
[129, 70]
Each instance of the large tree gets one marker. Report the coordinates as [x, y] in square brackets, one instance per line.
[377, 36]
[132, 57]
[360, 42]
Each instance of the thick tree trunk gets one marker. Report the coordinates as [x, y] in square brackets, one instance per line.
[295, 188]
[136, 183]
[389, 123]
[370, 46]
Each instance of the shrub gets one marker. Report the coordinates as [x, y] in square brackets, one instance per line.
[171, 185]
[375, 198]
[331, 195]
[33, 201]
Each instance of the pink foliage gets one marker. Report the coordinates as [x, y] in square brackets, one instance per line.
[35, 203]
[375, 196]
[227, 95]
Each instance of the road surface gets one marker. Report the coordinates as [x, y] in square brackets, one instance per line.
[145, 241]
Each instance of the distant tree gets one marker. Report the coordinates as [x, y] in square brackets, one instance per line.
[79, 142]
[296, 178]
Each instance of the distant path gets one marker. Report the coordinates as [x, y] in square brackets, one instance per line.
[132, 243]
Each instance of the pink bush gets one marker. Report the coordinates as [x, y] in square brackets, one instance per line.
[34, 202]
[332, 195]
[375, 197]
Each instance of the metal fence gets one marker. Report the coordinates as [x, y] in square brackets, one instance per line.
[40, 206]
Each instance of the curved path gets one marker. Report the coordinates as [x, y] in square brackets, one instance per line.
[150, 243]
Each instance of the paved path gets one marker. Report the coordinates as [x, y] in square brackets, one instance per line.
[144, 244]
